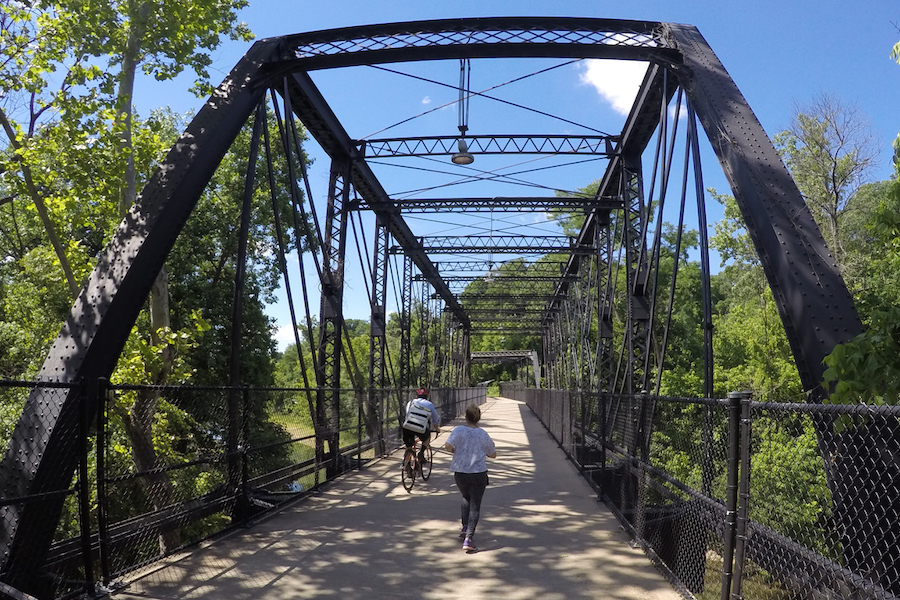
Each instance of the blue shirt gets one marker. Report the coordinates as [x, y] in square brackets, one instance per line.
[470, 447]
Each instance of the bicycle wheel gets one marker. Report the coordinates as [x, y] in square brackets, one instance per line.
[408, 471]
[429, 460]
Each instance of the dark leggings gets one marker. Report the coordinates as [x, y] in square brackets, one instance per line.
[471, 485]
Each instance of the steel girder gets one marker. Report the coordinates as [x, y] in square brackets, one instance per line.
[331, 318]
[489, 144]
[640, 125]
[453, 266]
[377, 335]
[500, 244]
[406, 323]
[498, 37]
[505, 204]
[512, 297]
[813, 301]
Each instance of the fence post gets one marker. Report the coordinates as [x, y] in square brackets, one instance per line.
[359, 426]
[640, 459]
[744, 495]
[84, 495]
[731, 491]
[603, 426]
[102, 389]
[244, 445]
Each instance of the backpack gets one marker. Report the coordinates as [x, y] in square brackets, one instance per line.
[417, 418]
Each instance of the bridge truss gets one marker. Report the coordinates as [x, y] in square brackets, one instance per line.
[593, 303]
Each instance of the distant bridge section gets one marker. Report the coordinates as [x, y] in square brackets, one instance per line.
[505, 356]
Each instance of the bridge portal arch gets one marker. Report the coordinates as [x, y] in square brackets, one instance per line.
[814, 304]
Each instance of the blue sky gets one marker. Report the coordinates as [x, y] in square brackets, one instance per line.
[780, 54]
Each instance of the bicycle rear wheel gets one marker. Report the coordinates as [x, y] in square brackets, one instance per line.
[429, 460]
[408, 470]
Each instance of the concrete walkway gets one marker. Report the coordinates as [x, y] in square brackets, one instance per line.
[542, 535]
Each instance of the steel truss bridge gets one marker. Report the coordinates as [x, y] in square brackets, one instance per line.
[591, 308]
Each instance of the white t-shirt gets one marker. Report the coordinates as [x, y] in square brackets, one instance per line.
[471, 446]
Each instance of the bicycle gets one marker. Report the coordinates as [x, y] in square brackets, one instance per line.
[412, 466]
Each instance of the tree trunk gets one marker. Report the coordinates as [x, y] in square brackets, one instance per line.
[158, 487]
[139, 426]
[74, 288]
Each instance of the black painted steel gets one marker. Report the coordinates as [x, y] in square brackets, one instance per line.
[504, 204]
[488, 144]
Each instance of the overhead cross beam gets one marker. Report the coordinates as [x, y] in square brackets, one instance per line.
[519, 244]
[550, 204]
[488, 144]
[505, 268]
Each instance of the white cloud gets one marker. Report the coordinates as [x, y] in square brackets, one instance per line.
[426, 100]
[617, 81]
[284, 337]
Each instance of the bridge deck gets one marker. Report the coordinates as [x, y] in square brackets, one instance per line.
[542, 535]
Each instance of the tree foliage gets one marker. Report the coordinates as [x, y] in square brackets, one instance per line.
[830, 150]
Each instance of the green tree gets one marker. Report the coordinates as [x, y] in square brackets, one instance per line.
[830, 151]
[751, 350]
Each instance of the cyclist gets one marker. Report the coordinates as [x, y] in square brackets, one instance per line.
[421, 417]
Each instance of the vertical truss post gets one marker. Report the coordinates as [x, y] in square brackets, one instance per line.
[466, 358]
[422, 374]
[637, 273]
[567, 335]
[328, 407]
[584, 321]
[440, 352]
[561, 354]
[377, 339]
[452, 326]
[440, 348]
[406, 323]
[558, 355]
[547, 346]
[604, 287]
[636, 322]
[234, 406]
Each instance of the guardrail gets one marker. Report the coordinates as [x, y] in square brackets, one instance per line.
[163, 468]
[740, 499]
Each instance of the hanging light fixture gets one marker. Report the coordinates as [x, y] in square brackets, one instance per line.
[463, 156]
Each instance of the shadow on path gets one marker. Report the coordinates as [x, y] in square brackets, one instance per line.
[542, 535]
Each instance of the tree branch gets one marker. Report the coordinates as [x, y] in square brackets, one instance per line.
[74, 288]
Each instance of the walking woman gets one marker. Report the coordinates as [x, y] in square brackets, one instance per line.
[470, 446]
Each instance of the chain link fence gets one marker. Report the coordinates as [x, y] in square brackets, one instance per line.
[162, 468]
[740, 499]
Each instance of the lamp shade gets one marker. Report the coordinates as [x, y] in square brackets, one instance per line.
[463, 157]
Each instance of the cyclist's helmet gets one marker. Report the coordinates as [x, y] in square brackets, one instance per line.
[422, 393]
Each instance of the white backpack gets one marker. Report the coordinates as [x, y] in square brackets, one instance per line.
[417, 418]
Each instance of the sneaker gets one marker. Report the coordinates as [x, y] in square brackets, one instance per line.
[462, 532]
[469, 546]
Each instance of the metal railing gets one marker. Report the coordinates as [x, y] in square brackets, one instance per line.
[162, 468]
[741, 499]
